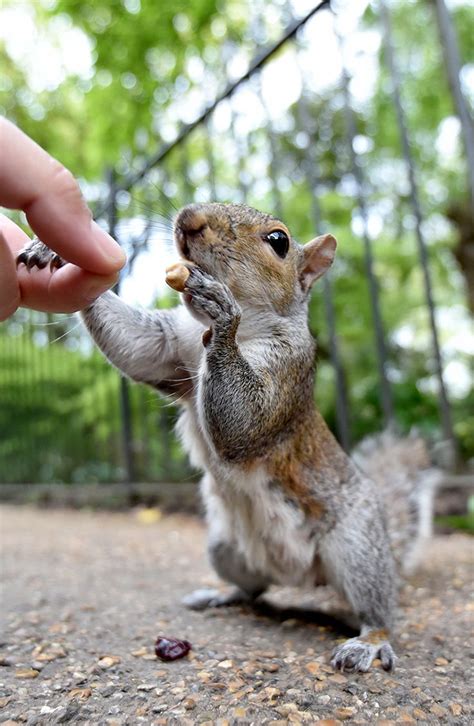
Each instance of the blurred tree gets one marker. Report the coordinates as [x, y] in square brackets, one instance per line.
[154, 66]
[140, 51]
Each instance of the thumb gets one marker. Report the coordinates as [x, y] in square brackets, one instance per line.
[9, 287]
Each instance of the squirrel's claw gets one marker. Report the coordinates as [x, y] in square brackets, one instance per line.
[358, 655]
[36, 254]
[211, 302]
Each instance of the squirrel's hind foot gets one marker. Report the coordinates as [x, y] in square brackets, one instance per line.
[36, 254]
[358, 654]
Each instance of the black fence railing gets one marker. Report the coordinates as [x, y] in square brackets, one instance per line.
[317, 162]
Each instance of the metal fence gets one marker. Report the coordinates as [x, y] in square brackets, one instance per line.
[68, 416]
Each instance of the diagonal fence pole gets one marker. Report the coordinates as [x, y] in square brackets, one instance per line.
[258, 62]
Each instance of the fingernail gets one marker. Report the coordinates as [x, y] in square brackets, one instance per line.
[110, 247]
[99, 286]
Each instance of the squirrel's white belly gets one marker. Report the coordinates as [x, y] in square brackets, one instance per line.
[269, 532]
[245, 510]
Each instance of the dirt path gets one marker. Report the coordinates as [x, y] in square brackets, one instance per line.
[85, 595]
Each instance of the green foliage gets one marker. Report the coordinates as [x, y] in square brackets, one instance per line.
[425, 96]
[60, 418]
[139, 57]
[42, 432]
[464, 522]
[145, 57]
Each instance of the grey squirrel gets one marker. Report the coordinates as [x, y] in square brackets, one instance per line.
[284, 504]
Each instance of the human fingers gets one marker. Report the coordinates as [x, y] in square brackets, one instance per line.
[31, 180]
[62, 291]
[14, 236]
[9, 287]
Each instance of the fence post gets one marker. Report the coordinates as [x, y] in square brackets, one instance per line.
[374, 296]
[452, 61]
[444, 406]
[310, 166]
[124, 392]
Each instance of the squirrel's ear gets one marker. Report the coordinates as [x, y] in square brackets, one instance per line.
[318, 256]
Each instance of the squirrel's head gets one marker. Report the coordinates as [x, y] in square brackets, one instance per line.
[253, 253]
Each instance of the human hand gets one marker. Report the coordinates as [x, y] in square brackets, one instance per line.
[34, 182]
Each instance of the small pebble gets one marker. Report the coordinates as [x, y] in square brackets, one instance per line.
[226, 664]
[286, 708]
[109, 661]
[345, 713]
[26, 673]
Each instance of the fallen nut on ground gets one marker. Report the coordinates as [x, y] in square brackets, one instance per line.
[176, 276]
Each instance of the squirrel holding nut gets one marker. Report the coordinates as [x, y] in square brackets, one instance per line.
[284, 503]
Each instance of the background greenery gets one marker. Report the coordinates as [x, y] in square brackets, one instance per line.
[153, 65]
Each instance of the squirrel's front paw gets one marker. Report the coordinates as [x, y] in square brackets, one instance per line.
[211, 302]
[358, 654]
[36, 254]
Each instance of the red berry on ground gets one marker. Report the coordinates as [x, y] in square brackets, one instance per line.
[171, 648]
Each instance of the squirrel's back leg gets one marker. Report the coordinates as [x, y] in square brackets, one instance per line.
[358, 562]
[227, 561]
[230, 566]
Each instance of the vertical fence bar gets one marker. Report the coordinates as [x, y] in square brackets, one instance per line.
[272, 145]
[381, 348]
[15, 457]
[241, 154]
[124, 392]
[210, 159]
[452, 61]
[145, 468]
[445, 410]
[257, 31]
[8, 400]
[29, 353]
[311, 170]
[25, 364]
[184, 167]
[342, 403]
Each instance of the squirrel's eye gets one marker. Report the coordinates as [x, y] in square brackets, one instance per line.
[279, 241]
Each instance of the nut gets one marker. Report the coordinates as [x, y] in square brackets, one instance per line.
[176, 276]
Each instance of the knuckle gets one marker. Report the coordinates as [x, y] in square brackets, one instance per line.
[62, 177]
[65, 185]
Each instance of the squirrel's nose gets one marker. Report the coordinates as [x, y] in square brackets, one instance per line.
[190, 226]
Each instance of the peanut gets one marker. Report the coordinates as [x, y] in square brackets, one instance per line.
[176, 276]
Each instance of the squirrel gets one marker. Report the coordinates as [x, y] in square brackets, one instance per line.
[284, 503]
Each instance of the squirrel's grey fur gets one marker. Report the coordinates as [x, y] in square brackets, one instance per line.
[284, 503]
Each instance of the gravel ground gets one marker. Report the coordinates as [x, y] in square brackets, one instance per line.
[85, 595]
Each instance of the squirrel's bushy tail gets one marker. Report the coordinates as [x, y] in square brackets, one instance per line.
[407, 481]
